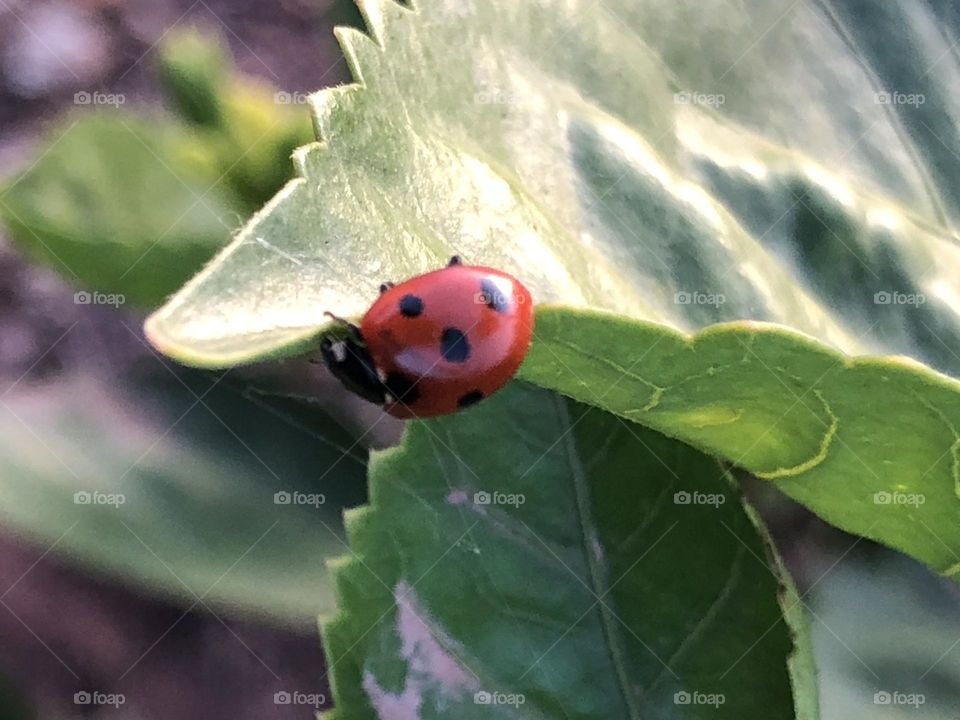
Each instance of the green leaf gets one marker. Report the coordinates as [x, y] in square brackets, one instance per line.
[621, 156]
[564, 150]
[120, 206]
[260, 132]
[579, 148]
[784, 408]
[250, 127]
[170, 482]
[193, 68]
[582, 581]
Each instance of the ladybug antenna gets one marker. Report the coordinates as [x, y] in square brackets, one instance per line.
[336, 318]
[351, 327]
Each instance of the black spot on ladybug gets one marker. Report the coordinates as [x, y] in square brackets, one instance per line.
[471, 398]
[403, 388]
[411, 306]
[493, 297]
[454, 346]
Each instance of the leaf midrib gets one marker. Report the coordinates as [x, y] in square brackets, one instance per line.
[597, 572]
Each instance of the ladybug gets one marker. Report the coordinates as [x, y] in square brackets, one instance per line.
[436, 343]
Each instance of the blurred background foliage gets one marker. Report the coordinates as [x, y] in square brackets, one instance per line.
[170, 178]
[171, 183]
[128, 192]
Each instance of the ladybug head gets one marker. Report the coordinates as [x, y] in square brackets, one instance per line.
[349, 361]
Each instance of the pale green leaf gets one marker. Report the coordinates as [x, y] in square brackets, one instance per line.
[621, 156]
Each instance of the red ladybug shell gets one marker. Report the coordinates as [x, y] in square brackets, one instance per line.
[449, 338]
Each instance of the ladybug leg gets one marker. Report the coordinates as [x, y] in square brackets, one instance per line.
[455, 260]
[385, 286]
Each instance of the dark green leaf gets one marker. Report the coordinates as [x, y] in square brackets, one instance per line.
[869, 445]
[536, 547]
